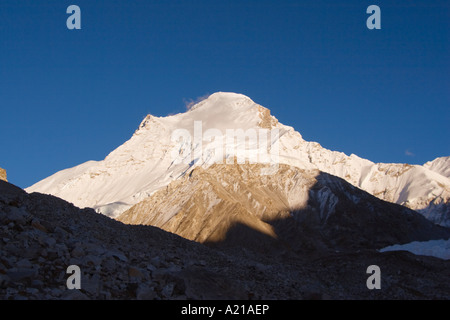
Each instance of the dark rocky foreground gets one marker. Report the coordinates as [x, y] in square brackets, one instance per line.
[40, 236]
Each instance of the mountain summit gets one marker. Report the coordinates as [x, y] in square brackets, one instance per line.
[230, 128]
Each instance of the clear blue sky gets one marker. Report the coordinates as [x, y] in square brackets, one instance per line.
[69, 96]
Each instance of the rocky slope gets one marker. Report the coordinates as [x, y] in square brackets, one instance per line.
[159, 152]
[3, 174]
[293, 208]
[41, 235]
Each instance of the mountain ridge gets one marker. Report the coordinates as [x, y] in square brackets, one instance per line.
[440, 165]
[292, 209]
[145, 163]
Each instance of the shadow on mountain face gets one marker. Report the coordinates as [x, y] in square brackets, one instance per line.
[337, 217]
[41, 235]
[439, 213]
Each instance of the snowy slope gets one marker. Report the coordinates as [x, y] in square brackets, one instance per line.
[151, 159]
[435, 248]
[440, 165]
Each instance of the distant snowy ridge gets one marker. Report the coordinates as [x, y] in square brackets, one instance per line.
[440, 165]
[145, 163]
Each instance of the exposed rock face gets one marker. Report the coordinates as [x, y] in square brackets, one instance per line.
[294, 208]
[267, 121]
[3, 174]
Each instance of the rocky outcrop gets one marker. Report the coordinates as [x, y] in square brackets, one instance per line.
[267, 121]
[3, 174]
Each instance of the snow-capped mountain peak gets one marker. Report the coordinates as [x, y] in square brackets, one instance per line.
[229, 100]
[225, 127]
